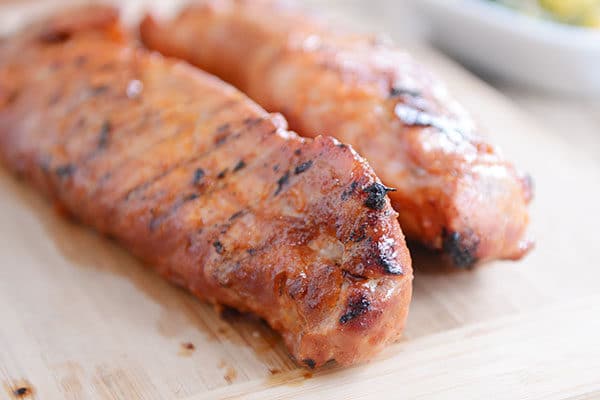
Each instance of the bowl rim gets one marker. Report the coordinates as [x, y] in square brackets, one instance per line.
[501, 17]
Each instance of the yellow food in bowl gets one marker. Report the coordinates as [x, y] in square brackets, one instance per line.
[576, 12]
[584, 13]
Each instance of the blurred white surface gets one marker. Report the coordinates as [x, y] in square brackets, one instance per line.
[521, 48]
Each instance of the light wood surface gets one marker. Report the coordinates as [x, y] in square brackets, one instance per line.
[80, 318]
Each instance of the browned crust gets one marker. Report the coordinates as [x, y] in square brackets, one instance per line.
[456, 193]
[201, 183]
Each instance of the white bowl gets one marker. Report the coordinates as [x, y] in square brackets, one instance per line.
[524, 49]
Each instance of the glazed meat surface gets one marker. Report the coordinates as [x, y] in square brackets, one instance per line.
[201, 183]
[456, 193]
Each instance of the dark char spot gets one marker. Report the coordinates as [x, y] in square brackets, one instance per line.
[21, 392]
[236, 215]
[303, 167]
[350, 191]
[222, 174]
[218, 247]
[65, 171]
[54, 36]
[104, 134]
[252, 121]
[188, 346]
[398, 91]
[251, 251]
[411, 116]
[241, 164]
[389, 265]
[281, 182]
[223, 128]
[220, 139]
[190, 197]
[297, 152]
[198, 175]
[461, 252]
[310, 363]
[376, 196]
[355, 308]
[98, 90]
[359, 234]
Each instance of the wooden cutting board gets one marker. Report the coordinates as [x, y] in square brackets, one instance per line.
[80, 318]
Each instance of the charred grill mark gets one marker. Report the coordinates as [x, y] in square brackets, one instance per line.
[350, 191]
[352, 276]
[225, 227]
[222, 174]
[461, 252]
[65, 171]
[51, 36]
[141, 187]
[309, 362]
[21, 392]
[389, 265]
[411, 116]
[376, 194]
[104, 134]
[223, 128]
[198, 175]
[146, 184]
[72, 108]
[224, 132]
[250, 122]
[218, 247]
[158, 142]
[241, 164]
[303, 167]
[190, 197]
[356, 308]
[221, 137]
[281, 182]
[396, 91]
[236, 215]
[169, 170]
[157, 220]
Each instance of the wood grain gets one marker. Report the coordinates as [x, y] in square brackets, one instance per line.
[82, 319]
